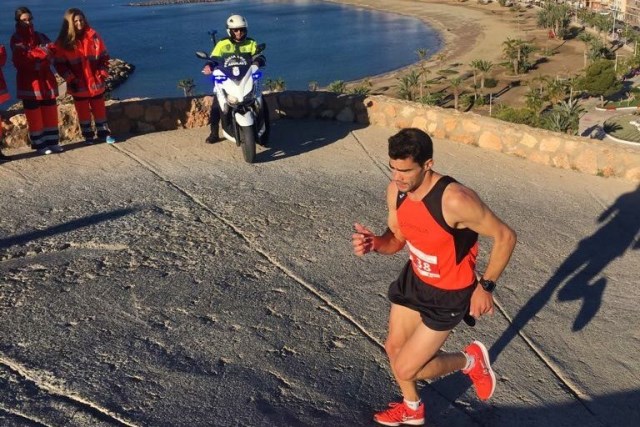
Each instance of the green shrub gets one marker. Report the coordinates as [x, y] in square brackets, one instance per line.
[338, 86]
[432, 98]
[466, 101]
[360, 90]
[516, 115]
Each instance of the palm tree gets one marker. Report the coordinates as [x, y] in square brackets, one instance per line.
[337, 86]
[484, 67]
[187, 85]
[534, 99]
[572, 84]
[423, 82]
[456, 86]
[517, 51]
[407, 86]
[422, 55]
[566, 115]
[556, 90]
[475, 66]
[572, 109]
[556, 17]
[587, 39]
[441, 56]
[603, 23]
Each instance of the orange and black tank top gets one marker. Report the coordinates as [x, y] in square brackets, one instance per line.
[441, 256]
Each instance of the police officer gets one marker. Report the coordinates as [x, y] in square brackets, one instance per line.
[236, 43]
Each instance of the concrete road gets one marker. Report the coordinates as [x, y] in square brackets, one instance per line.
[164, 282]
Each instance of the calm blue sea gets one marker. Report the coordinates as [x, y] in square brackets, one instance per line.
[306, 40]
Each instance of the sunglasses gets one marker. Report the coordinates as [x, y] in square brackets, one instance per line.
[239, 30]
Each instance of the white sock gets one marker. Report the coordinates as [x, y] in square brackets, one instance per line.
[470, 362]
[412, 405]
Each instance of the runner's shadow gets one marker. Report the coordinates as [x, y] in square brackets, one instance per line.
[577, 278]
[580, 271]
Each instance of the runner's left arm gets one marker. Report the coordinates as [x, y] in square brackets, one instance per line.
[464, 209]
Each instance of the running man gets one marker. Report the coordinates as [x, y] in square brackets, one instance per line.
[439, 220]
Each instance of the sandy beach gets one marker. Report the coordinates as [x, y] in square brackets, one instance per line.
[469, 30]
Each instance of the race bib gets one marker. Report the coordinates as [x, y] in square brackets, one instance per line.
[426, 265]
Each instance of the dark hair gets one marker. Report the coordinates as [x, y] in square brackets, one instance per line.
[21, 10]
[411, 142]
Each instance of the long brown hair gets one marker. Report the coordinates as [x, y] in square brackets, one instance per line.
[68, 35]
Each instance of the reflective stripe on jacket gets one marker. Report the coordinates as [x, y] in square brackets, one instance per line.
[85, 67]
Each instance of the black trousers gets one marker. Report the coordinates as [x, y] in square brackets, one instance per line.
[214, 117]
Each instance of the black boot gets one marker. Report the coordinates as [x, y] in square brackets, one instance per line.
[213, 138]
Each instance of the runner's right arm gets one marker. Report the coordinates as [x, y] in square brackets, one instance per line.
[389, 242]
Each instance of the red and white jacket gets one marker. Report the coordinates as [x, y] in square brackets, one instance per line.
[4, 93]
[85, 67]
[32, 59]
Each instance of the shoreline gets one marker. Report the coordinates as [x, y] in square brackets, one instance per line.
[462, 27]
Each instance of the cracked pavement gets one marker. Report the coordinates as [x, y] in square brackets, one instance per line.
[164, 282]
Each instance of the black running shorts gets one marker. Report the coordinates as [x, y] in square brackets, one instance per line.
[440, 310]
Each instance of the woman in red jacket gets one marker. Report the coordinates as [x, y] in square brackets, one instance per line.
[36, 84]
[81, 58]
[4, 94]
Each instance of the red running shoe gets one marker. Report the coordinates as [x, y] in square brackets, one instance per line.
[399, 413]
[484, 380]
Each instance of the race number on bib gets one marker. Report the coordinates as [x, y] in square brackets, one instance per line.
[426, 265]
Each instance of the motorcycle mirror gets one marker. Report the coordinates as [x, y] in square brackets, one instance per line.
[200, 54]
[212, 34]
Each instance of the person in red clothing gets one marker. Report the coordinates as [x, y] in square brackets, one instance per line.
[439, 220]
[4, 95]
[36, 83]
[81, 58]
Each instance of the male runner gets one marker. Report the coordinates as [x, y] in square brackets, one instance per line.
[439, 220]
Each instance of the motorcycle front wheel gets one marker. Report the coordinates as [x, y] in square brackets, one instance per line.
[248, 138]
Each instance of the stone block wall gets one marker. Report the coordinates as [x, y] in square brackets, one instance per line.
[604, 158]
[137, 116]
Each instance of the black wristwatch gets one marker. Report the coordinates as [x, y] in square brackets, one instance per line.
[487, 285]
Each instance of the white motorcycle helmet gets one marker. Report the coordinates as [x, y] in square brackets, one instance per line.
[235, 22]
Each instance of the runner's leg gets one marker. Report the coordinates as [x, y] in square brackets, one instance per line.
[403, 322]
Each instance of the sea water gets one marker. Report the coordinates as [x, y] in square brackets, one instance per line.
[307, 40]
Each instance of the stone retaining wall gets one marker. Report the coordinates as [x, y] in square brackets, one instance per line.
[549, 148]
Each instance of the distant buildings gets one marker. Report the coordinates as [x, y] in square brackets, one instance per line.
[625, 11]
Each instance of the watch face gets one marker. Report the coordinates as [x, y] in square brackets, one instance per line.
[488, 285]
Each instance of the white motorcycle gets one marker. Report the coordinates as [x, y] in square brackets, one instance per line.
[244, 115]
